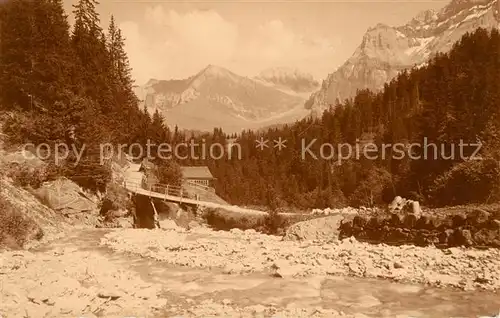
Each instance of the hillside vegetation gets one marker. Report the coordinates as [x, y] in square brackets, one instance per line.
[454, 99]
[74, 86]
[69, 86]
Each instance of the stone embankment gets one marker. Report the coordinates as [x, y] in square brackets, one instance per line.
[477, 229]
[240, 252]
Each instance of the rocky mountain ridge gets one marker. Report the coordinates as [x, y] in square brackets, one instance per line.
[217, 97]
[385, 50]
[289, 80]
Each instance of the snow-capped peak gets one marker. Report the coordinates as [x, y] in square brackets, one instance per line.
[289, 78]
[285, 72]
[385, 51]
[426, 16]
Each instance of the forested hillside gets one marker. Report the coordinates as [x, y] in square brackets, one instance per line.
[73, 86]
[62, 84]
[455, 97]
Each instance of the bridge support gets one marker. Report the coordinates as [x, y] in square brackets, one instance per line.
[156, 219]
[146, 212]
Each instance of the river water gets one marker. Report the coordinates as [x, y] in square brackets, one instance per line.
[371, 297]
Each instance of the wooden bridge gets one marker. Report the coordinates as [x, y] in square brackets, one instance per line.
[135, 183]
[176, 194]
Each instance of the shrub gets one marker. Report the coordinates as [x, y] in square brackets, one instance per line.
[274, 224]
[370, 189]
[25, 176]
[25, 127]
[467, 182]
[116, 198]
[169, 172]
[89, 173]
[15, 229]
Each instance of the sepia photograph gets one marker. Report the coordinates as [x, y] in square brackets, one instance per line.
[250, 158]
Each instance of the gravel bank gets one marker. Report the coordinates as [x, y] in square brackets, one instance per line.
[238, 252]
[210, 308]
[69, 283]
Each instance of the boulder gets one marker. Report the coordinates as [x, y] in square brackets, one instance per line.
[445, 237]
[426, 238]
[397, 235]
[317, 229]
[478, 217]
[65, 197]
[396, 220]
[409, 221]
[458, 220]
[360, 221]
[494, 225]
[443, 224]
[415, 209]
[345, 228]
[375, 222]
[424, 223]
[397, 204]
[463, 237]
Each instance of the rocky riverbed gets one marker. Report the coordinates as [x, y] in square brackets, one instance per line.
[76, 276]
[241, 252]
[69, 283]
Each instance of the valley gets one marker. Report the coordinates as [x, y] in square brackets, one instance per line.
[216, 97]
[274, 232]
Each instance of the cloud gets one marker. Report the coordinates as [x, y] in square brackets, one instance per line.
[155, 15]
[171, 44]
[274, 44]
[139, 52]
[175, 45]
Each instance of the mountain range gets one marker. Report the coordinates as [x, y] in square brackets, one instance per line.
[289, 80]
[217, 97]
[385, 50]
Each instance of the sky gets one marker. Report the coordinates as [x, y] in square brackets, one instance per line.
[177, 39]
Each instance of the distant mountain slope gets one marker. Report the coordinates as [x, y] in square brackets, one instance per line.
[385, 51]
[216, 97]
[289, 80]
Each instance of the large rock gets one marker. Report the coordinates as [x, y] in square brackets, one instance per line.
[487, 237]
[397, 204]
[478, 217]
[29, 208]
[402, 205]
[415, 209]
[317, 229]
[65, 197]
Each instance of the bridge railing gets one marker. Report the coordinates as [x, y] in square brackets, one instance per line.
[165, 189]
[200, 186]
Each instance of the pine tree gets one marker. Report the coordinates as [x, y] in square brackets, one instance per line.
[17, 20]
[89, 43]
